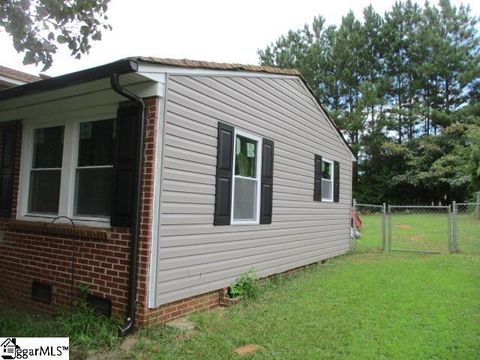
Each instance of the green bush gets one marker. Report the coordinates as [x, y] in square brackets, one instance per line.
[246, 285]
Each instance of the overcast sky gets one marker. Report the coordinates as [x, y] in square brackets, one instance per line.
[211, 30]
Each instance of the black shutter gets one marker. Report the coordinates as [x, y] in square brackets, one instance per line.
[317, 187]
[336, 181]
[125, 164]
[7, 166]
[223, 188]
[267, 182]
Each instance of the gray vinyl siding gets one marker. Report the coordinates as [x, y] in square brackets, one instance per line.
[194, 256]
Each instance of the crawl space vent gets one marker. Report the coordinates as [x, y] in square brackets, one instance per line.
[100, 305]
[42, 292]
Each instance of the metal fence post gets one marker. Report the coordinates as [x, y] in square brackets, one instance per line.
[456, 242]
[477, 205]
[450, 228]
[384, 226]
[389, 221]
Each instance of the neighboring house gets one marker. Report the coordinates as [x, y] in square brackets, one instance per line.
[235, 167]
[10, 78]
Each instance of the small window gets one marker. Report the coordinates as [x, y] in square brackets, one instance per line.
[46, 170]
[246, 179]
[93, 183]
[327, 180]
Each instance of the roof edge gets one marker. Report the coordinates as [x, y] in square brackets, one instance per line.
[210, 65]
[123, 66]
[310, 90]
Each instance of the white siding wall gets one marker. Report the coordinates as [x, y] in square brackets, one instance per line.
[193, 255]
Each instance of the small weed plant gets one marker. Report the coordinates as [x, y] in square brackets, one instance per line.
[245, 286]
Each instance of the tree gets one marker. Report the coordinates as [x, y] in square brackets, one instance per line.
[405, 90]
[37, 26]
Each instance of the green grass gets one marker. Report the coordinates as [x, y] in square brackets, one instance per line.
[469, 233]
[426, 232]
[371, 233]
[363, 306]
[87, 331]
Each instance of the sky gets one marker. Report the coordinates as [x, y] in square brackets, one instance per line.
[210, 30]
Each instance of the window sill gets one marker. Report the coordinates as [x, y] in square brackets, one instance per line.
[47, 228]
[232, 222]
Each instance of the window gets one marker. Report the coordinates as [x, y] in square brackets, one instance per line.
[46, 170]
[68, 170]
[93, 184]
[327, 180]
[246, 178]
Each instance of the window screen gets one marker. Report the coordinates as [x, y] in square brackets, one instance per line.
[245, 199]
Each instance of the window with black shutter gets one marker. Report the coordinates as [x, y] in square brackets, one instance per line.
[336, 181]
[244, 180]
[98, 186]
[326, 180]
[317, 187]
[223, 188]
[267, 182]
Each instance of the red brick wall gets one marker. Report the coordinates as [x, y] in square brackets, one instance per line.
[101, 256]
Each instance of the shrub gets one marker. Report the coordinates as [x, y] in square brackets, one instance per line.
[246, 285]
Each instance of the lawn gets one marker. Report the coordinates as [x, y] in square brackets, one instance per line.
[362, 306]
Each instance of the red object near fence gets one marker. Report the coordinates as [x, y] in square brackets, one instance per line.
[354, 217]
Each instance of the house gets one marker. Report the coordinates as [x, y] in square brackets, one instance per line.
[157, 182]
[10, 78]
[8, 348]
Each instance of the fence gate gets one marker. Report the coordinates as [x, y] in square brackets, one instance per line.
[370, 221]
[420, 228]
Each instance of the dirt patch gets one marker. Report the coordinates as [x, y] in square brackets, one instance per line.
[404, 226]
[247, 349]
[418, 238]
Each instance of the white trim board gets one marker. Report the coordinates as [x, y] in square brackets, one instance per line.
[152, 68]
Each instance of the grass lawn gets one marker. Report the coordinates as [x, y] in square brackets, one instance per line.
[363, 306]
[86, 330]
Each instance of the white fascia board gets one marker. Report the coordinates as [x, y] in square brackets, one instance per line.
[327, 117]
[10, 81]
[149, 68]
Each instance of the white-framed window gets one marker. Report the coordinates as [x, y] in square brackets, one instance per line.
[327, 180]
[246, 178]
[67, 170]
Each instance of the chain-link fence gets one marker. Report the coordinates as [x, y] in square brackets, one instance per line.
[368, 227]
[430, 229]
[419, 228]
[466, 227]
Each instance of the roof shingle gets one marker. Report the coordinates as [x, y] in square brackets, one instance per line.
[18, 75]
[194, 64]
